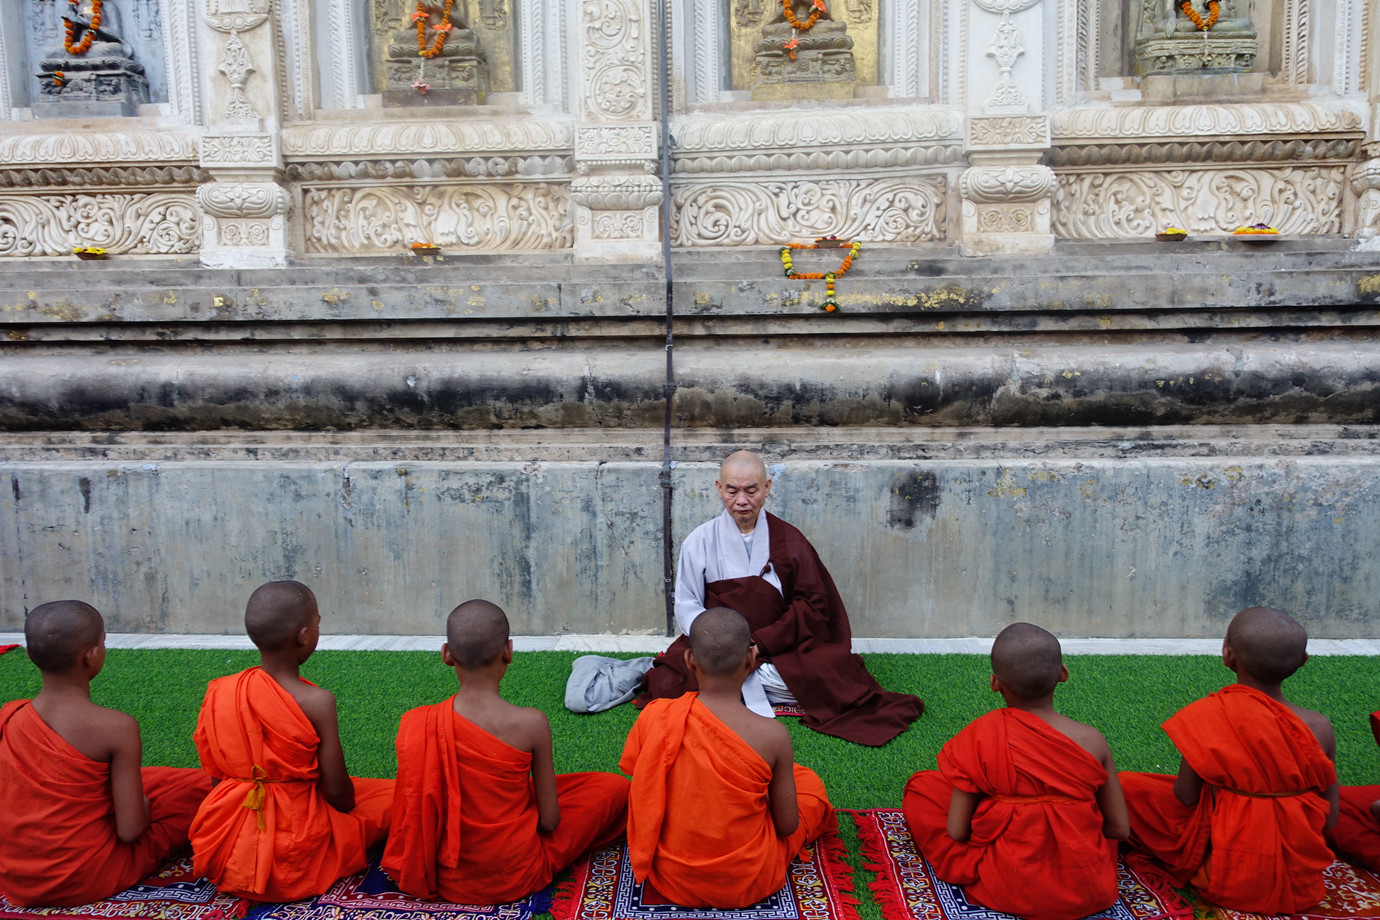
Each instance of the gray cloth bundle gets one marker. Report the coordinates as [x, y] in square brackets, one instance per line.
[597, 683]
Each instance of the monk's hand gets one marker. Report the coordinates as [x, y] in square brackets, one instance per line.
[758, 659]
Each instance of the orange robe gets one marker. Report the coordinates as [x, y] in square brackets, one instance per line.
[699, 827]
[1357, 834]
[57, 820]
[1254, 840]
[1036, 849]
[465, 814]
[265, 832]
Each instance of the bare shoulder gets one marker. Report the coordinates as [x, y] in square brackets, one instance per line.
[1320, 726]
[768, 737]
[529, 727]
[316, 702]
[1082, 734]
[95, 731]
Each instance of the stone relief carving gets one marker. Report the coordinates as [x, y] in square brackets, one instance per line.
[893, 209]
[1297, 200]
[1005, 48]
[49, 225]
[456, 168]
[235, 63]
[217, 149]
[1006, 184]
[1200, 120]
[1242, 151]
[97, 147]
[763, 131]
[395, 139]
[614, 65]
[615, 140]
[1007, 131]
[618, 192]
[179, 47]
[488, 217]
[1365, 181]
[244, 199]
[859, 11]
[101, 177]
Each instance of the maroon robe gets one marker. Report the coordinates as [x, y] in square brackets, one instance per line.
[804, 631]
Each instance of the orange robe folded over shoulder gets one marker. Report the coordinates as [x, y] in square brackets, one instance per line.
[699, 827]
[465, 814]
[265, 832]
[57, 820]
[1254, 841]
[1036, 849]
[1357, 834]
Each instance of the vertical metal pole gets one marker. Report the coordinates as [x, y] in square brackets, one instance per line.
[668, 571]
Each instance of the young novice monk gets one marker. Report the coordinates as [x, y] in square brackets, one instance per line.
[718, 808]
[1244, 819]
[1025, 804]
[79, 819]
[1357, 833]
[285, 820]
[480, 816]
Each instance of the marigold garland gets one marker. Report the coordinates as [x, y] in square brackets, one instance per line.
[70, 28]
[1214, 9]
[818, 10]
[421, 18]
[830, 305]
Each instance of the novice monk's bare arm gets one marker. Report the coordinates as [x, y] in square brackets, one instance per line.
[544, 774]
[334, 782]
[1116, 821]
[126, 786]
[1327, 739]
[1188, 785]
[962, 805]
[785, 811]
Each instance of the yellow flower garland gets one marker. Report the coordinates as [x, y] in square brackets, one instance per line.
[830, 305]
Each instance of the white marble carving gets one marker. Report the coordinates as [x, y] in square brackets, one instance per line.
[835, 130]
[237, 150]
[615, 143]
[740, 213]
[997, 184]
[244, 199]
[1297, 41]
[1134, 205]
[236, 64]
[543, 53]
[1005, 48]
[424, 137]
[180, 51]
[98, 147]
[1365, 181]
[613, 66]
[1209, 120]
[908, 38]
[344, 62]
[50, 225]
[490, 218]
[1002, 132]
[617, 192]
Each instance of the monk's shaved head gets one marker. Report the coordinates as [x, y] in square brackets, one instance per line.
[276, 611]
[56, 634]
[1027, 660]
[719, 640]
[743, 462]
[477, 633]
[1269, 644]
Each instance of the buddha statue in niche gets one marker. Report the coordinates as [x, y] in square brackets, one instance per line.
[804, 53]
[92, 72]
[1171, 41]
[434, 58]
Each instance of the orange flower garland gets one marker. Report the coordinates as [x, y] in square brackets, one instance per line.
[1214, 10]
[799, 26]
[421, 17]
[87, 38]
[830, 305]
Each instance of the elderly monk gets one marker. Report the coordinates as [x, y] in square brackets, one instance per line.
[757, 564]
[79, 819]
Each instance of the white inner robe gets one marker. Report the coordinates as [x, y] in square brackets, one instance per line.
[714, 551]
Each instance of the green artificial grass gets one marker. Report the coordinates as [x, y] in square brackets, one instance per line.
[1125, 696]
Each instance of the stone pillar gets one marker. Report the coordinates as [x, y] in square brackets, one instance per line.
[1365, 178]
[1007, 192]
[246, 205]
[616, 193]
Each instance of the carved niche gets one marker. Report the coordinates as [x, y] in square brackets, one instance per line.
[112, 61]
[1170, 41]
[492, 27]
[846, 35]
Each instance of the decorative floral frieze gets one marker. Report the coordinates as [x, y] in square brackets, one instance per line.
[243, 199]
[618, 225]
[1205, 121]
[699, 134]
[237, 149]
[50, 225]
[362, 139]
[517, 216]
[103, 177]
[620, 141]
[616, 192]
[740, 213]
[1002, 132]
[1301, 200]
[996, 184]
[457, 168]
[97, 147]
[1237, 151]
[613, 64]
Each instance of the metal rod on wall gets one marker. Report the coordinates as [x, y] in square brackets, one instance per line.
[668, 558]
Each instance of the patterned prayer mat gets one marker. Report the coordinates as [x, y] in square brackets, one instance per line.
[1352, 893]
[818, 887]
[906, 888]
[371, 895]
[174, 893]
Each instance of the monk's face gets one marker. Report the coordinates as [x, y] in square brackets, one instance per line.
[743, 489]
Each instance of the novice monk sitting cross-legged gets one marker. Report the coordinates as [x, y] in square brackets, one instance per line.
[1244, 819]
[1025, 805]
[79, 819]
[718, 807]
[480, 815]
[285, 820]
[1357, 832]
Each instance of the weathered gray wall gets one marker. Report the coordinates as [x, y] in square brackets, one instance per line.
[1111, 441]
